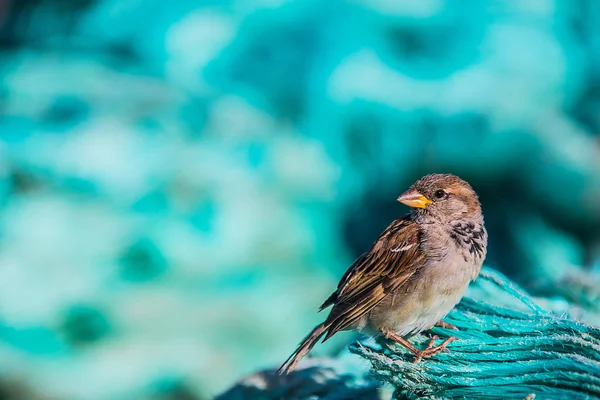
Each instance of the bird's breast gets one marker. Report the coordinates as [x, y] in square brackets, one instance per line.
[431, 294]
[423, 302]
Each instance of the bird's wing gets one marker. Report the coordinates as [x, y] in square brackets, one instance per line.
[392, 259]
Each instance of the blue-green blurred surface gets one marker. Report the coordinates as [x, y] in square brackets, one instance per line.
[182, 183]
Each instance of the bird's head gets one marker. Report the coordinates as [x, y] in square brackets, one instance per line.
[443, 197]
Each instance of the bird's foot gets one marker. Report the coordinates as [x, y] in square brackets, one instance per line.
[432, 350]
[446, 325]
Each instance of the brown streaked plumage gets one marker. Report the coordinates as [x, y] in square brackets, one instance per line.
[414, 274]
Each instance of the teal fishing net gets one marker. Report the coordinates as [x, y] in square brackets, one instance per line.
[508, 348]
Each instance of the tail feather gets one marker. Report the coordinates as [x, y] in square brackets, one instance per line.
[307, 344]
[330, 301]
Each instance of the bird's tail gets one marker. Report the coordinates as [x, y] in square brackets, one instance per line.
[307, 344]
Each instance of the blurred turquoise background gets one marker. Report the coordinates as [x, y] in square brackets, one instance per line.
[182, 183]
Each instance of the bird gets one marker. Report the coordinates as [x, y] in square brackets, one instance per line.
[414, 274]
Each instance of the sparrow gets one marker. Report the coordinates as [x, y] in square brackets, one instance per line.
[414, 274]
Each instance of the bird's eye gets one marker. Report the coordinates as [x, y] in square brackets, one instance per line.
[439, 194]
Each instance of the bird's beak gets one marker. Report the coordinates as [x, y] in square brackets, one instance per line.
[412, 198]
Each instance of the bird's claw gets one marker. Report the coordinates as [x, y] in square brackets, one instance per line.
[446, 325]
[432, 350]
